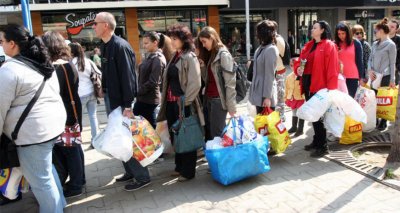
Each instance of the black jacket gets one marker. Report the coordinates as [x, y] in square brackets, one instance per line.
[359, 58]
[118, 66]
[64, 92]
[150, 78]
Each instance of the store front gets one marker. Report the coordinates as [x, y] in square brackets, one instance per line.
[366, 18]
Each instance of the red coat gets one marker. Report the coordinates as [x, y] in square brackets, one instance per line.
[325, 69]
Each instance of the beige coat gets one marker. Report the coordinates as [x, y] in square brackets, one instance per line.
[225, 76]
[292, 88]
[190, 80]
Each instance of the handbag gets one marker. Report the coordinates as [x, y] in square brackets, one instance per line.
[95, 77]
[8, 149]
[188, 133]
[72, 133]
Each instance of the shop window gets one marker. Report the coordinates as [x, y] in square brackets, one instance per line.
[233, 30]
[77, 27]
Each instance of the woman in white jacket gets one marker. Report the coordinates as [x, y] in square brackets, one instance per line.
[20, 78]
[85, 68]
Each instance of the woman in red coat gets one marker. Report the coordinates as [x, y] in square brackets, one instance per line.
[320, 71]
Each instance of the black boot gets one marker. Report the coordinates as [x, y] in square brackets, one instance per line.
[299, 128]
[294, 125]
[382, 125]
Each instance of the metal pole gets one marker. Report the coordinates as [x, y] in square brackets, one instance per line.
[248, 45]
[26, 15]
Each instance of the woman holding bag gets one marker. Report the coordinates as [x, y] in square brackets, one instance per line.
[20, 79]
[264, 67]
[68, 160]
[383, 60]
[350, 57]
[320, 71]
[220, 80]
[86, 93]
[182, 78]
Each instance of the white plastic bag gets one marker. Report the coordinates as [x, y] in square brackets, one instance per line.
[10, 180]
[116, 139]
[216, 143]
[367, 100]
[251, 109]
[349, 106]
[239, 130]
[315, 108]
[162, 131]
[334, 121]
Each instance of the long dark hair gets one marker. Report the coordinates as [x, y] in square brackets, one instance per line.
[209, 33]
[31, 47]
[343, 26]
[77, 51]
[164, 43]
[266, 32]
[327, 34]
[182, 32]
[56, 45]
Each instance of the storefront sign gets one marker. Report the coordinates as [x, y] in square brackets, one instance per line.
[372, 14]
[76, 25]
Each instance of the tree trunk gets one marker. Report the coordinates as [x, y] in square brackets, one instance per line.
[394, 155]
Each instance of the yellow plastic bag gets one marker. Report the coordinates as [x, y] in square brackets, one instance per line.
[269, 123]
[386, 100]
[352, 132]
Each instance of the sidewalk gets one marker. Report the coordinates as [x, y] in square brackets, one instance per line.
[296, 183]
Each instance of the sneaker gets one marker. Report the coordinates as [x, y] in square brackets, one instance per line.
[320, 152]
[136, 185]
[5, 201]
[124, 178]
[72, 193]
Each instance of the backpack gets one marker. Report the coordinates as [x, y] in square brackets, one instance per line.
[242, 84]
[286, 56]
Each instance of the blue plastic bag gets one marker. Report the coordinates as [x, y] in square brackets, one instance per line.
[232, 164]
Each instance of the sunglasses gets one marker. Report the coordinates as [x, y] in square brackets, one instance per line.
[97, 22]
[359, 33]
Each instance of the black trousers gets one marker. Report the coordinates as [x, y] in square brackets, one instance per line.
[185, 163]
[319, 138]
[147, 111]
[352, 85]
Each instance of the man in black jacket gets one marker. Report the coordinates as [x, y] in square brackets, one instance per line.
[393, 27]
[119, 84]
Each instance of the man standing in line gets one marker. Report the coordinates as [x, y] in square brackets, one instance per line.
[393, 27]
[119, 85]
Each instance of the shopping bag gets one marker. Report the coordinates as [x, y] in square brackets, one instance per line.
[10, 182]
[342, 86]
[234, 163]
[163, 132]
[238, 130]
[349, 106]
[315, 108]
[367, 100]
[269, 123]
[375, 84]
[334, 120]
[352, 132]
[147, 145]
[387, 101]
[116, 139]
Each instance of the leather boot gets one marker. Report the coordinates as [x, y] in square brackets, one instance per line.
[294, 125]
[299, 128]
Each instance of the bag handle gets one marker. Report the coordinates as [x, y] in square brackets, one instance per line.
[70, 93]
[181, 105]
[267, 111]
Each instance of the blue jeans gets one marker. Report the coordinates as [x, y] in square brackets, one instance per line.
[37, 167]
[90, 102]
[107, 103]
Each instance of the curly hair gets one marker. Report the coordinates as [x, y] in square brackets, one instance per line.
[266, 32]
[383, 25]
[56, 45]
[182, 32]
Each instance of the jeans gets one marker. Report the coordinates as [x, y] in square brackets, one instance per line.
[90, 102]
[107, 103]
[216, 118]
[68, 162]
[136, 170]
[147, 111]
[36, 165]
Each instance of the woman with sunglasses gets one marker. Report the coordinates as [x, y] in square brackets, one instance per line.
[383, 60]
[359, 34]
[350, 57]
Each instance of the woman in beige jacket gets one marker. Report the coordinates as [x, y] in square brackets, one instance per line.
[220, 81]
[182, 77]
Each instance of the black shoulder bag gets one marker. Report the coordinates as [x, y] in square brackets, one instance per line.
[8, 149]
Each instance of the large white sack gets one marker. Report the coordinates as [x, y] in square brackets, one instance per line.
[349, 106]
[367, 100]
[334, 120]
[116, 139]
[315, 108]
